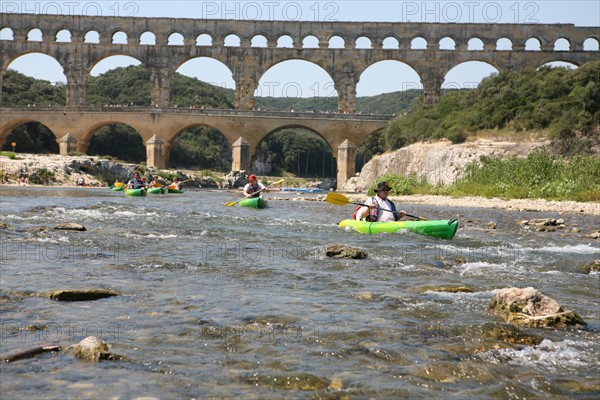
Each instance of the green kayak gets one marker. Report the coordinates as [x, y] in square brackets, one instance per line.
[444, 228]
[157, 190]
[171, 190]
[135, 192]
[255, 202]
[116, 188]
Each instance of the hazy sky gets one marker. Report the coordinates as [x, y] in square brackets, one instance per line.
[300, 78]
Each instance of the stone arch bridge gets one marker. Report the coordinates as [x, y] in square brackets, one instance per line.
[158, 127]
[248, 63]
[78, 54]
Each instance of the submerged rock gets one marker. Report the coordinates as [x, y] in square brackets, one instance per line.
[443, 288]
[343, 251]
[509, 334]
[70, 226]
[79, 295]
[588, 267]
[545, 222]
[529, 307]
[294, 381]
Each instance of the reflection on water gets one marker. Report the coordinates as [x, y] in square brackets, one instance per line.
[231, 302]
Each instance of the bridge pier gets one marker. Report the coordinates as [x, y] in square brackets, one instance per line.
[67, 144]
[345, 84]
[346, 162]
[432, 91]
[245, 85]
[241, 159]
[156, 153]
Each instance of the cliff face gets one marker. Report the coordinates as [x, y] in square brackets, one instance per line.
[440, 162]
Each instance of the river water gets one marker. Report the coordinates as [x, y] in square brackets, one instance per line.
[230, 302]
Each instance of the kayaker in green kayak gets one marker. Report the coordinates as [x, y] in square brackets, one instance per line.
[157, 182]
[176, 184]
[374, 208]
[253, 188]
[136, 182]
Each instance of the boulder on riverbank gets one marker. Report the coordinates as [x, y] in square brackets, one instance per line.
[529, 307]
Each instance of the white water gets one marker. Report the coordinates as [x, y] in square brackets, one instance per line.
[225, 301]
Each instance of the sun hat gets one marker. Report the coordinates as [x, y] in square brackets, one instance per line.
[383, 186]
[252, 177]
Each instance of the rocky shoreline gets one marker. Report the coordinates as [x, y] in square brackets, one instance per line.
[97, 171]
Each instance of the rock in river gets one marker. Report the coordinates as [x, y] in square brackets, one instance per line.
[529, 307]
[70, 226]
[343, 251]
[79, 295]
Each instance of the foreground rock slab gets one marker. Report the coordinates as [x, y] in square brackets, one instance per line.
[70, 226]
[79, 295]
[529, 307]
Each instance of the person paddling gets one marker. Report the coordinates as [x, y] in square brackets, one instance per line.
[373, 211]
[136, 182]
[157, 182]
[253, 188]
[176, 184]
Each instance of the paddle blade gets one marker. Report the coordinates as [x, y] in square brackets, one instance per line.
[337, 199]
[417, 218]
[231, 203]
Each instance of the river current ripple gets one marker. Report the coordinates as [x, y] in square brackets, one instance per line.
[230, 302]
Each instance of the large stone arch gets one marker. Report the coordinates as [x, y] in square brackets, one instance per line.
[279, 129]
[181, 63]
[373, 132]
[7, 129]
[296, 126]
[269, 67]
[138, 144]
[360, 158]
[105, 57]
[379, 63]
[92, 129]
[11, 59]
[446, 84]
[45, 134]
[182, 129]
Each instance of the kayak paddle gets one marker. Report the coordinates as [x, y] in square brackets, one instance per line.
[341, 200]
[233, 203]
[174, 187]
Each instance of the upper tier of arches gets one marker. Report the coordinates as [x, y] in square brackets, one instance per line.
[293, 34]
